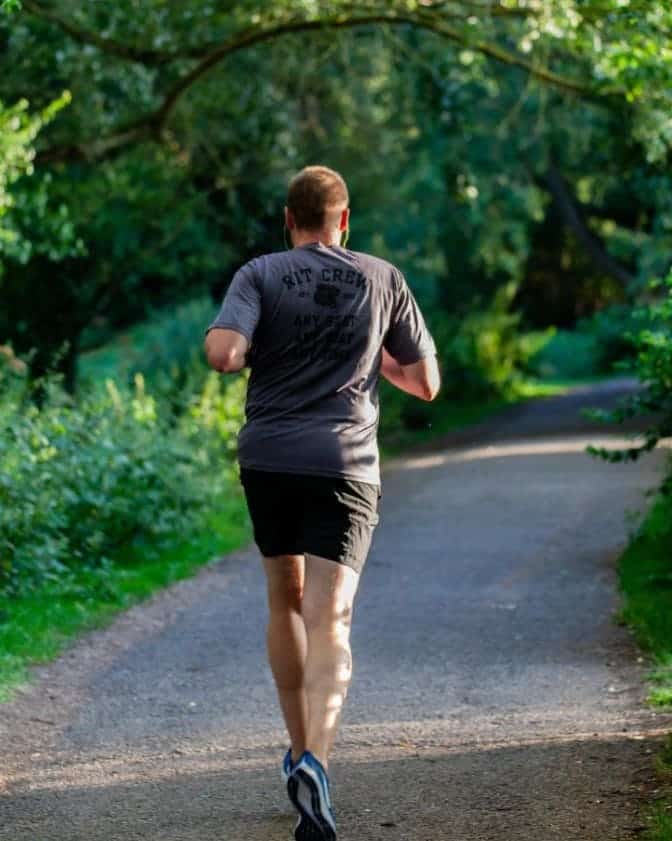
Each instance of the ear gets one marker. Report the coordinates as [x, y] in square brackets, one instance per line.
[289, 219]
[344, 222]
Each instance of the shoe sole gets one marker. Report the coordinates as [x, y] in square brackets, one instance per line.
[305, 795]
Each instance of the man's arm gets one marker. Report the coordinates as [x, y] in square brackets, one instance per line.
[421, 379]
[225, 350]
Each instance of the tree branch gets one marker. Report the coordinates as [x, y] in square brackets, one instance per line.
[504, 56]
[152, 124]
[155, 58]
[104, 147]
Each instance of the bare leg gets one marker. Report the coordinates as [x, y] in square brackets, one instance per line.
[328, 597]
[287, 644]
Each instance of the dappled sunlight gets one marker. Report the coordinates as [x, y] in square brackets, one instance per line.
[415, 792]
[384, 741]
[549, 446]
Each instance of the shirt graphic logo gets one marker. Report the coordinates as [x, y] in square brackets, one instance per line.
[326, 295]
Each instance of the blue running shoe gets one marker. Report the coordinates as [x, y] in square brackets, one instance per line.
[287, 766]
[308, 789]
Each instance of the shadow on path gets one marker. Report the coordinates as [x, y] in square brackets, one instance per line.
[548, 791]
[548, 417]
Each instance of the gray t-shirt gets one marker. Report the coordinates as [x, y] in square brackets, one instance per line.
[317, 318]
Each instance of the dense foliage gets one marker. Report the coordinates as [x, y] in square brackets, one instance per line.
[508, 142]
[654, 369]
[79, 481]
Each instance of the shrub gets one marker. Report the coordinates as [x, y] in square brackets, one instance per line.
[167, 350]
[653, 365]
[485, 354]
[596, 346]
[570, 354]
[614, 331]
[80, 480]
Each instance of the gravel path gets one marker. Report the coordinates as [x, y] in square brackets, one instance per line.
[494, 696]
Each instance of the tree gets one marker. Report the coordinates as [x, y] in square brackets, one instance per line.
[473, 104]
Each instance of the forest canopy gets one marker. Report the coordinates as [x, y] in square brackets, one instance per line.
[147, 147]
[511, 157]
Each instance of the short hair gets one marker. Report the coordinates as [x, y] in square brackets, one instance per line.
[315, 193]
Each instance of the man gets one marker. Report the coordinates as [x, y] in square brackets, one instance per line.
[317, 325]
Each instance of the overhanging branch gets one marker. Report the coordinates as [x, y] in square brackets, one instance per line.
[155, 58]
[152, 124]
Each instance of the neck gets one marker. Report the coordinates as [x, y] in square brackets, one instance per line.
[300, 237]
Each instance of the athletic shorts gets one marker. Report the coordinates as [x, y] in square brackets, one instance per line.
[294, 514]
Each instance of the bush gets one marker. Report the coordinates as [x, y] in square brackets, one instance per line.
[653, 365]
[614, 331]
[79, 481]
[166, 350]
[485, 354]
[570, 354]
[596, 346]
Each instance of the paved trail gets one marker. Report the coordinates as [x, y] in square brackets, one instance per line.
[494, 697]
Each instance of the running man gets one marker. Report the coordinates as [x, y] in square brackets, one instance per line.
[317, 325]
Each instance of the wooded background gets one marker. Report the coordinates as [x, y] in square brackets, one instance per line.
[511, 157]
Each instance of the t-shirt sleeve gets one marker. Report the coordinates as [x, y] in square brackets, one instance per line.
[407, 340]
[241, 307]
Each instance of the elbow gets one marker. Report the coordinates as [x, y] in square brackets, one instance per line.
[228, 362]
[430, 389]
[429, 393]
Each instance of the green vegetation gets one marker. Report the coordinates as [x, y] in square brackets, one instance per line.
[106, 498]
[660, 827]
[37, 626]
[646, 567]
[646, 583]
[653, 366]
[79, 481]
[661, 816]
[522, 148]
[596, 347]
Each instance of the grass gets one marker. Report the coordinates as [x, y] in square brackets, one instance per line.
[646, 583]
[36, 628]
[659, 816]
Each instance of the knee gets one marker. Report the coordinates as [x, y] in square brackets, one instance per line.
[334, 620]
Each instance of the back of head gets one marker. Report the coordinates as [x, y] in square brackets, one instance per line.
[317, 196]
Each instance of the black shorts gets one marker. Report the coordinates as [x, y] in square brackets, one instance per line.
[294, 513]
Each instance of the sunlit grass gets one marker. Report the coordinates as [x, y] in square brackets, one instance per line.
[661, 678]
